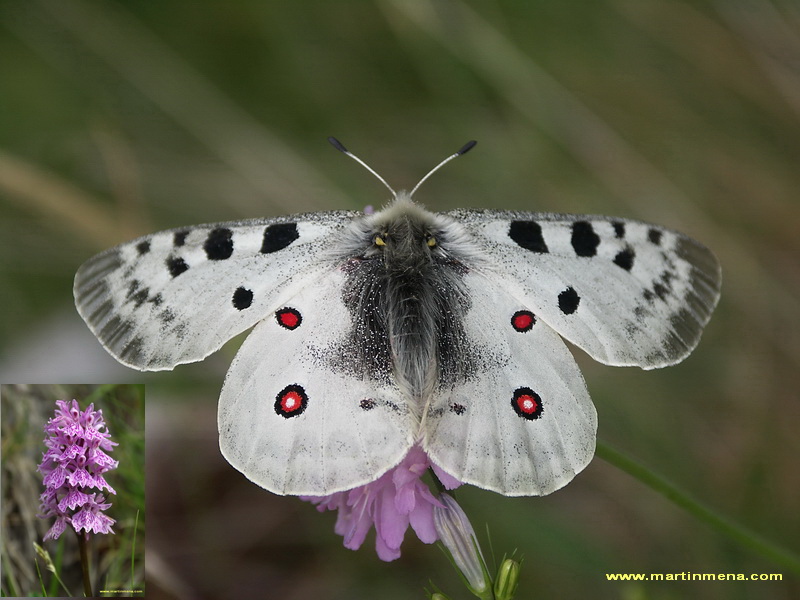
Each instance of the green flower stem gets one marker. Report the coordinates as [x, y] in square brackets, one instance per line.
[701, 512]
[83, 543]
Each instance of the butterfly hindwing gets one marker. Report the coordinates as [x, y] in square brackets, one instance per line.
[294, 417]
[521, 423]
[628, 293]
[176, 296]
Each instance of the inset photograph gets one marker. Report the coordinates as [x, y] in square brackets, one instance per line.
[73, 490]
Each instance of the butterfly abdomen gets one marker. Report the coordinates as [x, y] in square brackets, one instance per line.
[406, 299]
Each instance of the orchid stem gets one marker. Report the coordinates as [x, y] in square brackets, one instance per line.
[83, 543]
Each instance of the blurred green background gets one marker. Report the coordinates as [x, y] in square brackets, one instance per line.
[116, 561]
[122, 118]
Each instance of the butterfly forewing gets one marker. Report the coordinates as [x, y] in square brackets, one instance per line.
[176, 296]
[628, 293]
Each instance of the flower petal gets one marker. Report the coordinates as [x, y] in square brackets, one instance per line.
[448, 481]
[56, 530]
[385, 553]
[421, 519]
[390, 525]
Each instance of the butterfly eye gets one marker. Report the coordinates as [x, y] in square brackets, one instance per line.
[431, 242]
[379, 241]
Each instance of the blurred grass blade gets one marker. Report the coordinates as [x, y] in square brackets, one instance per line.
[742, 535]
[49, 565]
[171, 83]
[541, 99]
[772, 39]
[57, 201]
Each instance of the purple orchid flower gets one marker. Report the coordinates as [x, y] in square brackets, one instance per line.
[74, 463]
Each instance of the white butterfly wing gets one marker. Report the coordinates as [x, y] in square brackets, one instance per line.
[628, 293]
[297, 415]
[176, 296]
[521, 423]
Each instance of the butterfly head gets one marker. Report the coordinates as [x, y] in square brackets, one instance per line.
[404, 234]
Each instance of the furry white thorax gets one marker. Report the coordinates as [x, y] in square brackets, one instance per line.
[408, 287]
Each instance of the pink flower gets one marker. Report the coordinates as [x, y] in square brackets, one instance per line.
[395, 500]
[74, 463]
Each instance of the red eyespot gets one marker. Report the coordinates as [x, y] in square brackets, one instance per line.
[527, 403]
[291, 401]
[289, 318]
[523, 320]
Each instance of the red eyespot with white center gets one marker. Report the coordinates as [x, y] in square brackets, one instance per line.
[291, 401]
[523, 320]
[527, 403]
[289, 318]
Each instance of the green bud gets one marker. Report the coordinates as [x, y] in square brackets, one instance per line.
[505, 584]
[439, 596]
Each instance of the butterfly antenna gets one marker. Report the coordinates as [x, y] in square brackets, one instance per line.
[340, 147]
[464, 149]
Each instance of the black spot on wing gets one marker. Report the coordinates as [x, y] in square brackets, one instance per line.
[279, 236]
[660, 291]
[624, 258]
[176, 265]
[143, 247]
[662, 287]
[666, 280]
[140, 297]
[528, 235]
[133, 287]
[654, 235]
[179, 239]
[219, 244]
[584, 239]
[137, 294]
[242, 298]
[568, 301]
[619, 229]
